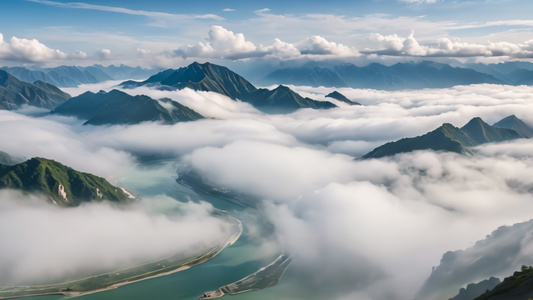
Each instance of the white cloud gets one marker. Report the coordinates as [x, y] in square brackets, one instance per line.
[369, 228]
[120, 237]
[143, 52]
[262, 11]
[105, 53]
[223, 43]
[228, 9]
[317, 45]
[395, 45]
[160, 18]
[24, 50]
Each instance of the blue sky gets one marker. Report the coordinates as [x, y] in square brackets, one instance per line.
[164, 33]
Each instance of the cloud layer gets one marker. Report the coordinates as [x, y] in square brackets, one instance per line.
[368, 229]
[62, 244]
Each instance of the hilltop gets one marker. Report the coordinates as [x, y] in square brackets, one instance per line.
[61, 184]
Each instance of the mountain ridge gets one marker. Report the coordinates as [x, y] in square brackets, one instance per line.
[449, 138]
[61, 184]
[15, 93]
[219, 79]
[424, 74]
[117, 107]
[72, 76]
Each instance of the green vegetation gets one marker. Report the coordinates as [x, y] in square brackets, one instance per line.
[448, 138]
[518, 286]
[117, 107]
[15, 93]
[63, 185]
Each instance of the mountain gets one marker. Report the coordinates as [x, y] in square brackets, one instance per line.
[282, 100]
[514, 123]
[61, 184]
[513, 72]
[448, 138]
[342, 98]
[201, 77]
[474, 290]
[377, 76]
[445, 138]
[72, 76]
[516, 287]
[501, 252]
[481, 132]
[6, 159]
[15, 93]
[218, 79]
[117, 107]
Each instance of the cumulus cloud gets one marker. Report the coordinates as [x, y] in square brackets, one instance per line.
[395, 45]
[115, 237]
[143, 52]
[105, 54]
[223, 43]
[319, 45]
[24, 50]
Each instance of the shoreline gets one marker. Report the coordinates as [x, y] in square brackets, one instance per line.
[196, 260]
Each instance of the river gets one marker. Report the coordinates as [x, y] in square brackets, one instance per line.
[233, 263]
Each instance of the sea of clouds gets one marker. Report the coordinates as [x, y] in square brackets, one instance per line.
[357, 229]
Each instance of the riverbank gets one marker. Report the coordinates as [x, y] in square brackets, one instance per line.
[116, 279]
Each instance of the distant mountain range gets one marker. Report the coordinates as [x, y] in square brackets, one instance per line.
[218, 79]
[61, 184]
[450, 138]
[117, 107]
[378, 76]
[513, 73]
[72, 76]
[15, 93]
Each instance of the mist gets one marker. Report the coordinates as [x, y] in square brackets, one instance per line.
[364, 229]
[94, 238]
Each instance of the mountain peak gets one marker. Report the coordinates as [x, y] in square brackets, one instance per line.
[118, 107]
[514, 123]
[61, 184]
[338, 96]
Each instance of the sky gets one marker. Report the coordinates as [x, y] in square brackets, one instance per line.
[173, 33]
